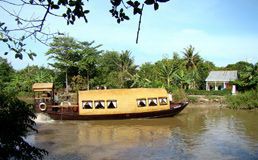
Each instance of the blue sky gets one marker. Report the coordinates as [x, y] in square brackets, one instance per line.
[223, 32]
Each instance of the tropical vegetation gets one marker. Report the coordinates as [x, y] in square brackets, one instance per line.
[79, 65]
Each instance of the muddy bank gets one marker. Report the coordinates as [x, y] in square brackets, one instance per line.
[205, 100]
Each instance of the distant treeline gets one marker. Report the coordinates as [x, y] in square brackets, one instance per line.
[85, 66]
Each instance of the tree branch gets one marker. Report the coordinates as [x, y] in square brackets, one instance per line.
[139, 25]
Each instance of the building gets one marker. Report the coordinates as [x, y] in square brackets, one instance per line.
[219, 80]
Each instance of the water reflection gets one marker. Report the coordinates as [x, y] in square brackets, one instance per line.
[196, 133]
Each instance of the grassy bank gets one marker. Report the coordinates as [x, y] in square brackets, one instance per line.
[246, 100]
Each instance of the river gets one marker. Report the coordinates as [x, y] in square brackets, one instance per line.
[199, 132]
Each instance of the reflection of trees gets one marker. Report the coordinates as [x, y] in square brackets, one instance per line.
[128, 134]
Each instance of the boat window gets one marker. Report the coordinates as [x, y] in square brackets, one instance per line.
[111, 104]
[152, 101]
[141, 102]
[99, 104]
[86, 104]
[163, 101]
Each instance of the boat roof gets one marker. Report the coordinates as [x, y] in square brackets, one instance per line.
[37, 87]
[109, 93]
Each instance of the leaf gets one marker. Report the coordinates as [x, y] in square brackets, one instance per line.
[149, 2]
[86, 11]
[73, 18]
[22, 38]
[156, 6]
[136, 4]
[130, 3]
[32, 55]
[72, 3]
[118, 20]
[18, 55]
[5, 40]
[126, 17]
[54, 6]
[1, 24]
[116, 2]
[5, 53]
[85, 19]
[20, 44]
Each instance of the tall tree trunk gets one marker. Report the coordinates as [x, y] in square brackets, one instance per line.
[88, 81]
[66, 81]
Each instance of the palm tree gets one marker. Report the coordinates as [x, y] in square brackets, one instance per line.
[191, 61]
[167, 71]
[191, 58]
[126, 67]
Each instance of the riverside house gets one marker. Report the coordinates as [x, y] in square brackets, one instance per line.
[219, 80]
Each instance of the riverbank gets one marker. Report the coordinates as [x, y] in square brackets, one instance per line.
[207, 99]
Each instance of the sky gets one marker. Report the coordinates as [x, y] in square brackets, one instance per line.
[223, 32]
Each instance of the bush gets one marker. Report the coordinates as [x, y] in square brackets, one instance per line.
[16, 121]
[246, 100]
[179, 95]
[204, 92]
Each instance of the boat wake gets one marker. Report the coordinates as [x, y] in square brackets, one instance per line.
[43, 118]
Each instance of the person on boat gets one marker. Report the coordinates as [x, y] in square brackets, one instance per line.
[56, 99]
[170, 97]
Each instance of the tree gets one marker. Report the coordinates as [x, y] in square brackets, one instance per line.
[146, 76]
[16, 120]
[191, 62]
[108, 70]
[126, 68]
[117, 69]
[6, 71]
[74, 58]
[65, 52]
[247, 77]
[71, 10]
[204, 67]
[88, 61]
[22, 81]
[191, 58]
[166, 70]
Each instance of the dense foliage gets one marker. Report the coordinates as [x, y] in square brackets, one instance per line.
[82, 65]
[16, 120]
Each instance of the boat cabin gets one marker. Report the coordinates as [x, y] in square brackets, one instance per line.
[122, 101]
[43, 92]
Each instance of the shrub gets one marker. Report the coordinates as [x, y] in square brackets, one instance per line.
[16, 121]
[179, 95]
[246, 100]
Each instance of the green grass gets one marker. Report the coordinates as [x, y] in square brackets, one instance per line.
[246, 100]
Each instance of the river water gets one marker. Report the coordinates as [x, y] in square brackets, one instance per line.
[199, 132]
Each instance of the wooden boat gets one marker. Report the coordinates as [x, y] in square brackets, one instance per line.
[108, 104]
